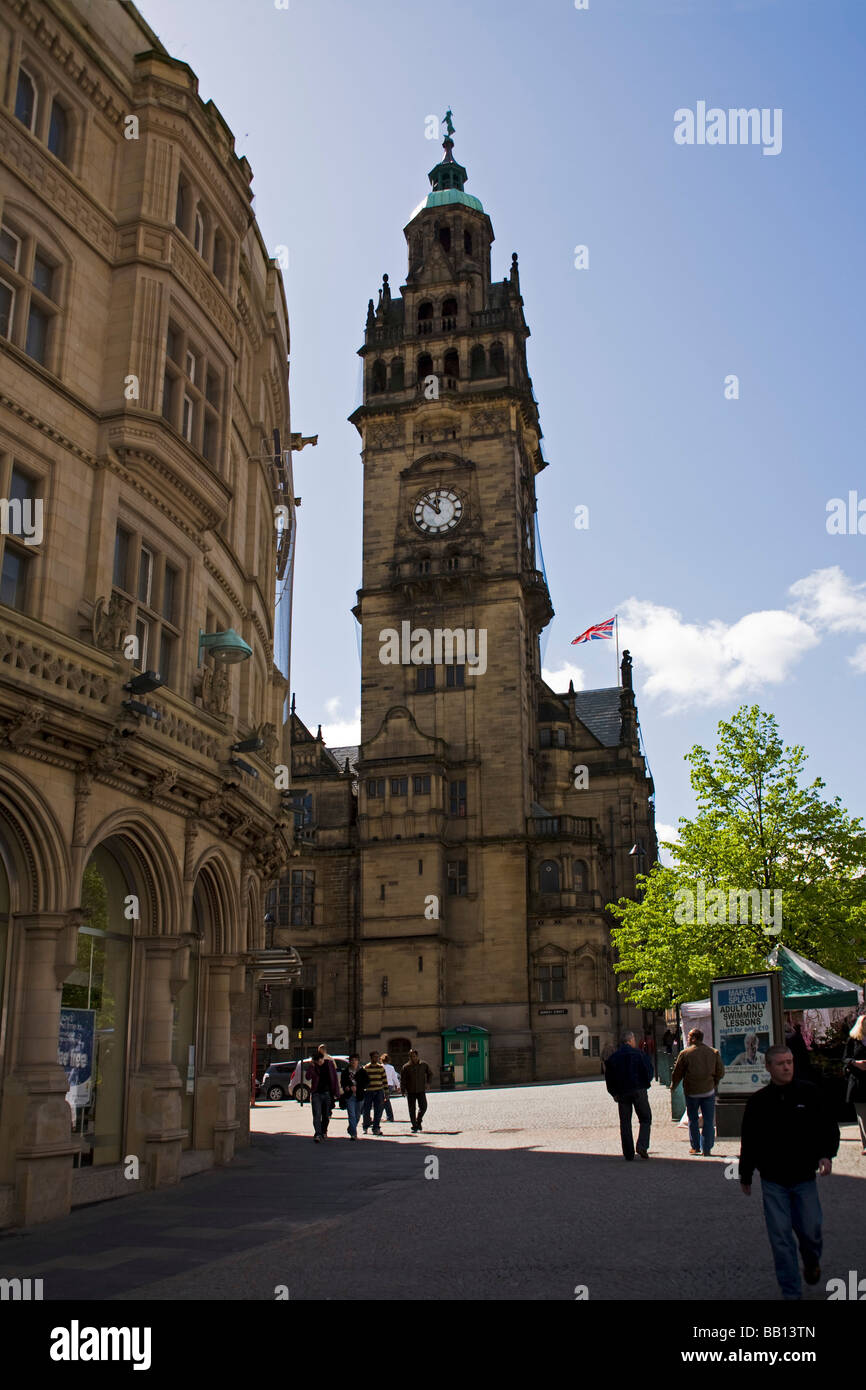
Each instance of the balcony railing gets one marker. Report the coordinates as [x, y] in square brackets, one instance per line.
[562, 828]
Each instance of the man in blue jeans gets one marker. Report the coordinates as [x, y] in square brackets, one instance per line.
[789, 1132]
[700, 1069]
[627, 1074]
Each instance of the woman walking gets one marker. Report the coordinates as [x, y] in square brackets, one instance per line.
[855, 1067]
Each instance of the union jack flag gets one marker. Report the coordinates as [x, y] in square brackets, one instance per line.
[597, 633]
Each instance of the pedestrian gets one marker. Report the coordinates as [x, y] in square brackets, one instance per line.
[374, 1093]
[606, 1052]
[700, 1069]
[667, 1040]
[855, 1070]
[627, 1075]
[352, 1079]
[415, 1077]
[789, 1131]
[800, 1052]
[324, 1089]
[393, 1085]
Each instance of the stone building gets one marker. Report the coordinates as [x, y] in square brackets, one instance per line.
[143, 348]
[494, 817]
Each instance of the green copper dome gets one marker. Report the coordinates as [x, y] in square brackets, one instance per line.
[447, 179]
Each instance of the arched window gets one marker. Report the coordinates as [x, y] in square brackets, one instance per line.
[58, 132]
[477, 362]
[497, 360]
[425, 317]
[220, 258]
[449, 315]
[467, 243]
[94, 1008]
[425, 367]
[379, 380]
[181, 206]
[444, 235]
[397, 374]
[25, 99]
[452, 364]
[581, 876]
[548, 877]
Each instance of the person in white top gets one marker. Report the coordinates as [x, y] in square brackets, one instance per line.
[393, 1086]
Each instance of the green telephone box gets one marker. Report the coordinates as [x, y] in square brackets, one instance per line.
[466, 1048]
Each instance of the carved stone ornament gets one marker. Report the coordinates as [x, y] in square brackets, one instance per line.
[163, 783]
[111, 622]
[268, 734]
[25, 724]
[213, 687]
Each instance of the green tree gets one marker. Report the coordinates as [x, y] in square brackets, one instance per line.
[758, 826]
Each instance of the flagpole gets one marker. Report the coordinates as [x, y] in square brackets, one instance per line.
[616, 630]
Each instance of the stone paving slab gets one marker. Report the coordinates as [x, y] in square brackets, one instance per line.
[532, 1199]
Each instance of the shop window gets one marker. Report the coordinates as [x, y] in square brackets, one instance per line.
[94, 1009]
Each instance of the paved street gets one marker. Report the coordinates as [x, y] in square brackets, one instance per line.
[532, 1198]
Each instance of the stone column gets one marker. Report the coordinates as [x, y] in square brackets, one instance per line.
[156, 1088]
[219, 1080]
[36, 1117]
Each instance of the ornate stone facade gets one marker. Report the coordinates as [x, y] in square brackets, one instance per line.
[143, 365]
[464, 882]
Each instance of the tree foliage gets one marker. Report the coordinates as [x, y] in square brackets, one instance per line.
[758, 826]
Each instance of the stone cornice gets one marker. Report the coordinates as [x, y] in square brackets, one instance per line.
[37, 423]
[64, 52]
[117, 467]
[56, 186]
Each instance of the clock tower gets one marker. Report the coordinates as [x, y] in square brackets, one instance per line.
[451, 607]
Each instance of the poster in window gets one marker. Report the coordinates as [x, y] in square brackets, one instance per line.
[75, 1054]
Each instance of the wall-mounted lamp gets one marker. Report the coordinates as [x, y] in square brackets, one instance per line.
[226, 646]
[143, 684]
[243, 767]
[249, 745]
[137, 707]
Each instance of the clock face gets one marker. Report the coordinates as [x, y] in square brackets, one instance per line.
[438, 511]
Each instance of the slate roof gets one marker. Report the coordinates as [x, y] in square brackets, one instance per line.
[349, 751]
[599, 710]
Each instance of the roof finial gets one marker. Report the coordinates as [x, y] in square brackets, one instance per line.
[449, 124]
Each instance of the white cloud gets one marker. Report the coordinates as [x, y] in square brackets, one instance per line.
[558, 680]
[667, 832]
[830, 599]
[343, 731]
[858, 660]
[700, 664]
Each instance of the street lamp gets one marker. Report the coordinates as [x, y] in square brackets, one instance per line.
[228, 647]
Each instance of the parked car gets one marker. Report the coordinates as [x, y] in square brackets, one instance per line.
[299, 1087]
[275, 1082]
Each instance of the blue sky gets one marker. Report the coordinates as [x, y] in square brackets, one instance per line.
[707, 516]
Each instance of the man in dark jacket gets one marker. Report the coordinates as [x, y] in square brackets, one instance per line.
[627, 1075]
[415, 1076]
[353, 1079]
[324, 1089]
[788, 1132]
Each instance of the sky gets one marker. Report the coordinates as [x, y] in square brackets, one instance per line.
[698, 373]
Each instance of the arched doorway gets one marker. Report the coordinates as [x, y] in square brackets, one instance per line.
[94, 1006]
